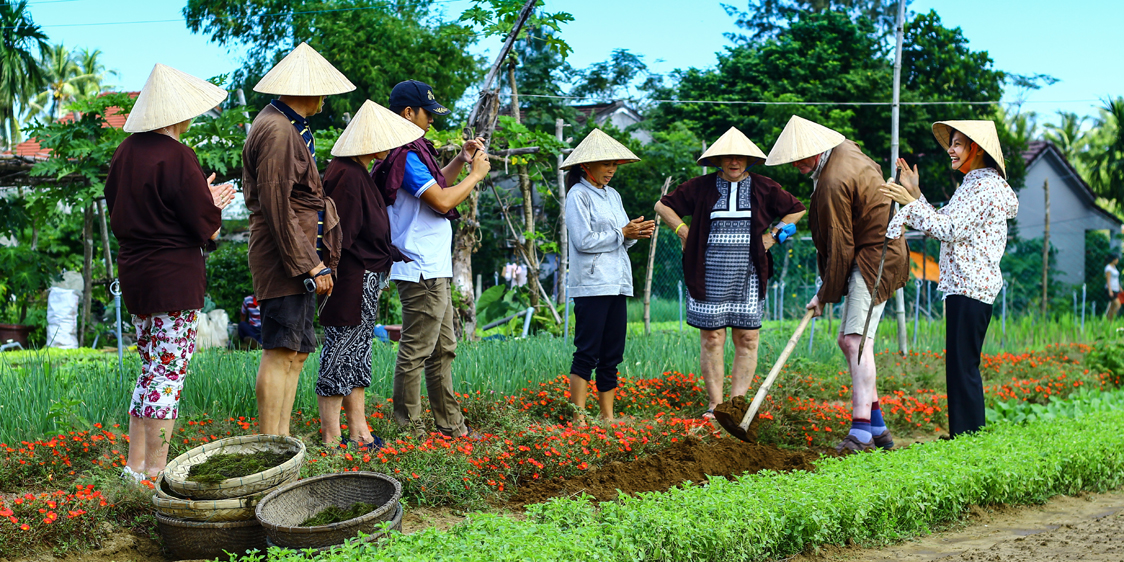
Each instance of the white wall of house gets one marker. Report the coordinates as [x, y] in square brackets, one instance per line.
[1072, 212]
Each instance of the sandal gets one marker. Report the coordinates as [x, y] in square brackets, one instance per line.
[708, 415]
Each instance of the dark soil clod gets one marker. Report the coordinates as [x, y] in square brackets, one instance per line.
[692, 460]
[222, 466]
[729, 415]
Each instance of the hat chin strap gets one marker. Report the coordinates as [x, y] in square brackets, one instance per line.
[972, 154]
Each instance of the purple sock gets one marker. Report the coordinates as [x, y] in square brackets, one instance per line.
[877, 424]
[860, 428]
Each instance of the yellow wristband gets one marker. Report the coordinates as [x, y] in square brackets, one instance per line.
[681, 225]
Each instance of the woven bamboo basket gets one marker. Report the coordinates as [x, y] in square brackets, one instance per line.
[284, 509]
[176, 471]
[195, 540]
[395, 525]
[234, 509]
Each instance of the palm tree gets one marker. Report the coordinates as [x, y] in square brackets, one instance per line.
[1106, 161]
[1067, 135]
[64, 81]
[20, 75]
[89, 62]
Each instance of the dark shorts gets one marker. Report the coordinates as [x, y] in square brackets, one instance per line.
[286, 322]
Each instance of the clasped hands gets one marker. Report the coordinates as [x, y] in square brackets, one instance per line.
[639, 228]
[909, 190]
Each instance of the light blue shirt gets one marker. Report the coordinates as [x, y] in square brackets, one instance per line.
[422, 234]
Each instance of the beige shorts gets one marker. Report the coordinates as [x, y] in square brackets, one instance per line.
[855, 307]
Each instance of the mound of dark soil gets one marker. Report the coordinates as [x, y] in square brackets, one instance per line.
[691, 460]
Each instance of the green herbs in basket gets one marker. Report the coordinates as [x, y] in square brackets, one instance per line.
[333, 514]
[221, 466]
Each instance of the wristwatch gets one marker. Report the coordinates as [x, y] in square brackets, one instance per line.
[310, 281]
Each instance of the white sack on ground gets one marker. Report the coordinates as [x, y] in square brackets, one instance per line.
[62, 318]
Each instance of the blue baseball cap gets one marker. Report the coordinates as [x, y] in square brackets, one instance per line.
[412, 93]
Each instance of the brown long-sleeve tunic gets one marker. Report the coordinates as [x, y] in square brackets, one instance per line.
[284, 195]
[696, 198]
[848, 217]
[365, 239]
[162, 214]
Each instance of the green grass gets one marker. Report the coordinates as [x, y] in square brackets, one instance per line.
[44, 393]
[867, 499]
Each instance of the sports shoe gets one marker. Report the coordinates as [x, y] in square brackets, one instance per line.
[851, 444]
[884, 441]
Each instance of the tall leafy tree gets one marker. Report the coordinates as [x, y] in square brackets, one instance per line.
[1067, 134]
[94, 71]
[833, 58]
[763, 19]
[376, 45]
[1107, 163]
[20, 77]
[64, 78]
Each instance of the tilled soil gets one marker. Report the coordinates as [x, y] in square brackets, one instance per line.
[691, 459]
[1090, 527]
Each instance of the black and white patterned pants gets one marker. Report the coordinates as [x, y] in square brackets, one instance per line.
[345, 359]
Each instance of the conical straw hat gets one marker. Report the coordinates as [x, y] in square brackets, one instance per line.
[304, 72]
[599, 147]
[375, 129]
[800, 139]
[981, 132]
[732, 143]
[169, 97]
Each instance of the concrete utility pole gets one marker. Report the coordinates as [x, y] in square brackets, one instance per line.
[563, 235]
[899, 295]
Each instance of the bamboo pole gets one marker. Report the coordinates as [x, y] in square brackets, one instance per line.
[895, 112]
[563, 232]
[651, 263]
[1046, 249]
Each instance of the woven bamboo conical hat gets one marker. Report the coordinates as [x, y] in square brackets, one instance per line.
[800, 139]
[981, 132]
[169, 97]
[732, 143]
[375, 129]
[599, 147]
[304, 72]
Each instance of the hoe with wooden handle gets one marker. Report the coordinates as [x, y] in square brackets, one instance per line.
[740, 428]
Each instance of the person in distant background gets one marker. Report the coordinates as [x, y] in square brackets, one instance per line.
[1112, 283]
[164, 211]
[249, 325]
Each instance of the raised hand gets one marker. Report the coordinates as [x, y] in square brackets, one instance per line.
[222, 194]
[639, 228]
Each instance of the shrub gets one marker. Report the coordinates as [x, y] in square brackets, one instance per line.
[228, 277]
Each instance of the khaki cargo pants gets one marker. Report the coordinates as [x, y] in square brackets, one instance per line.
[427, 342]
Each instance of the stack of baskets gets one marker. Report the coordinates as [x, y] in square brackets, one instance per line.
[207, 520]
[283, 510]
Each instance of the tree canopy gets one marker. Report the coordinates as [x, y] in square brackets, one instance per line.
[376, 45]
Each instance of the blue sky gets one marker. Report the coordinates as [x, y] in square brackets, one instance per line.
[1077, 41]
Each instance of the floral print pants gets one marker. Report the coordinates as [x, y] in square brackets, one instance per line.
[166, 343]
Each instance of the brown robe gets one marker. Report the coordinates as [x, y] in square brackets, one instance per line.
[284, 195]
[848, 216]
[162, 214]
[696, 198]
[365, 230]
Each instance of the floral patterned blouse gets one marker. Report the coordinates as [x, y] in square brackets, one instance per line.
[973, 232]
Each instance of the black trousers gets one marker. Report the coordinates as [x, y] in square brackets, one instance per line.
[966, 321]
[599, 332]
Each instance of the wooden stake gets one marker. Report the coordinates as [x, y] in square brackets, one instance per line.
[651, 263]
[1046, 250]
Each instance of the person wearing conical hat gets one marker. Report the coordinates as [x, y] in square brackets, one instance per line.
[972, 229]
[350, 314]
[421, 198]
[289, 216]
[848, 217]
[600, 279]
[732, 215]
[164, 212]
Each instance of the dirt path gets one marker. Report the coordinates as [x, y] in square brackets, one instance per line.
[1086, 528]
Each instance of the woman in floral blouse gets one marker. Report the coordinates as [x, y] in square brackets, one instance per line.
[972, 229]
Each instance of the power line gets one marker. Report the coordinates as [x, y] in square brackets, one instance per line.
[860, 103]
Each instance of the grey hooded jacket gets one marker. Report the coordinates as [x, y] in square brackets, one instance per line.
[599, 264]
